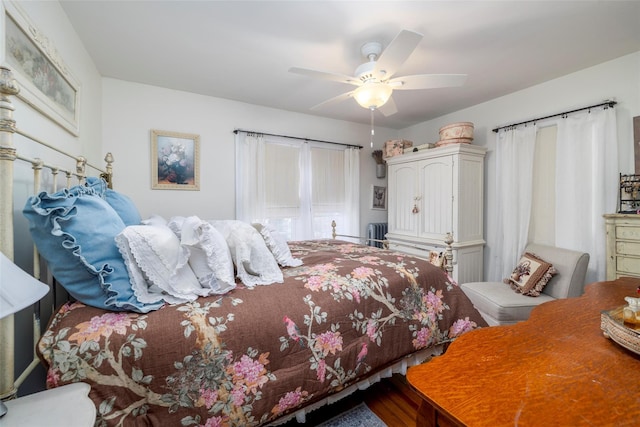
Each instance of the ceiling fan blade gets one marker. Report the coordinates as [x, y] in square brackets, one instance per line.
[397, 53]
[334, 100]
[322, 75]
[427, 81]
[389, 108]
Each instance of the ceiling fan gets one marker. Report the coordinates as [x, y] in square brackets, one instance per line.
[374, 79]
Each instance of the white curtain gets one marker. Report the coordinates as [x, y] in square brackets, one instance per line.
[352, 191]
[303, 227]
[514, 183]
[250, 185]
[297, 186]
[586, 182]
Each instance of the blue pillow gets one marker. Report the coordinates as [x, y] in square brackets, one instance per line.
[122, 204]
[74, 230]
[124, 207]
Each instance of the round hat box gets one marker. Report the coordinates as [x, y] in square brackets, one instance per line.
[459, 131]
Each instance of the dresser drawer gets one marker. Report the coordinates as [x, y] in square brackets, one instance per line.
[627, 232]
[620, 274]
[628, 265]
[628, 248]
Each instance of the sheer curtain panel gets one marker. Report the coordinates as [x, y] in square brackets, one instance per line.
[250, 188]
[586, 183]
[514, 183]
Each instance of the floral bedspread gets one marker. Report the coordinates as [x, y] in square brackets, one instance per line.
[253, 355]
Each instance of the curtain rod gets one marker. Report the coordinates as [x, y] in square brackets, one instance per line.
[296, 137]
[564, 114]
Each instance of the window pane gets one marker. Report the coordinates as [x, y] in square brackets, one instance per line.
[328, 186]
[282, 180]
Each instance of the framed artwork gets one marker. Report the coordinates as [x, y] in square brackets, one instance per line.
[175, 161]
[378, 197]
[45, 82]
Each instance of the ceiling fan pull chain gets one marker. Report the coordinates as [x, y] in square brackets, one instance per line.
[372, 131]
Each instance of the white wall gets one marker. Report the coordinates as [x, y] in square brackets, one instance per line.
[131, 110]
[617, 80]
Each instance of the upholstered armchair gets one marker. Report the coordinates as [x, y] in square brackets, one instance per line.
[499, 304]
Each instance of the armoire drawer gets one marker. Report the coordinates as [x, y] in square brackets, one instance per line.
[628, 248]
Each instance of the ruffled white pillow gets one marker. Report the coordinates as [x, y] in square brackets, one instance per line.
[277, 245]
[160, 260]
[209, 258]
[254, 262]
[145, 291]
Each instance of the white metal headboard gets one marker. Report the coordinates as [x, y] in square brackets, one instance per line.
[8, 155]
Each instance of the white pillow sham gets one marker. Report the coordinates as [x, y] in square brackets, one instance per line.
[160, 260]
[144, 290]
[209, 258]
[277, 244]
[254, 262]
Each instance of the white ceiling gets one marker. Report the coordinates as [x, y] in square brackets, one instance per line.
[242, 50]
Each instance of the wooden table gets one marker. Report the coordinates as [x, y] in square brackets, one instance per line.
[555, 369]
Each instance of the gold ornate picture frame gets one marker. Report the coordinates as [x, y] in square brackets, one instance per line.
[175, 161]
[45, 82]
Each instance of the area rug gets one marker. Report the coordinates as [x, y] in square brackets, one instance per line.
[359, 416]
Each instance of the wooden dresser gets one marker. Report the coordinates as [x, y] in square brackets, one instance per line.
[623, 245]
[555, 369]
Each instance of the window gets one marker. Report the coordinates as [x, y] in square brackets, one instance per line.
[297, 186]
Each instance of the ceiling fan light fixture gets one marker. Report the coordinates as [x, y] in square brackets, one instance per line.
[374, 78]
[372, 94]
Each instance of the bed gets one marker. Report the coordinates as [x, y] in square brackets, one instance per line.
[336, 317]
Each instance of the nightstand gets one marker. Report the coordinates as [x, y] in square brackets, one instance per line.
[67, 406]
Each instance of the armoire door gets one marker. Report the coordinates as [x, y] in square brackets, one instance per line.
[435, 178]
[402, 197]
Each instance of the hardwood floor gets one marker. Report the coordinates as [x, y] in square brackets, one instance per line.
[391, 399]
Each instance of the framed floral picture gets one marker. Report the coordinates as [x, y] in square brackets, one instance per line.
[175, 161]
[45, 82]
[378, 197]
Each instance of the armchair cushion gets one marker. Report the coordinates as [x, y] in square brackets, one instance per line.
[499, 305]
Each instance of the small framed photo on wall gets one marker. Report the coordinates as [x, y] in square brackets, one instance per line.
[378, 197]
[175, 161]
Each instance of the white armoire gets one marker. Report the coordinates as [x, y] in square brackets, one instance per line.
[434, 192]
